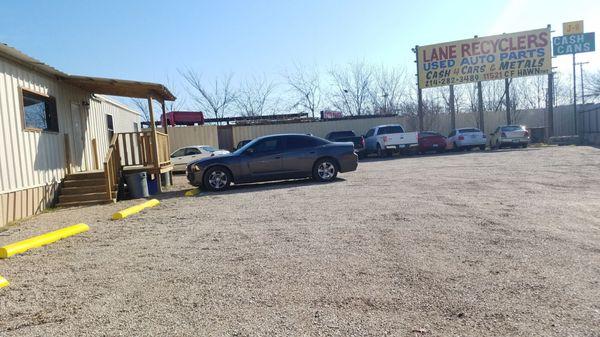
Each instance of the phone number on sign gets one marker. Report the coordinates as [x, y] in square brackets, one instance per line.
[452, 80]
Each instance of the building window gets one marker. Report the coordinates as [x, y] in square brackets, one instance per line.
[110, 127]
[39, 112]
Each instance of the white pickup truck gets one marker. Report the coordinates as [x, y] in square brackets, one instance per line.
[386, 139]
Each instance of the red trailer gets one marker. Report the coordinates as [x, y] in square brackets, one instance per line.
[183, 118]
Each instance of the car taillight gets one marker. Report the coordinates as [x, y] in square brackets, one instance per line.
[503, 134]
[385, 139]
[526, 134]
[461, 137]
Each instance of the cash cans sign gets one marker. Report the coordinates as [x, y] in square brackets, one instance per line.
[485, 58]
[574, 44]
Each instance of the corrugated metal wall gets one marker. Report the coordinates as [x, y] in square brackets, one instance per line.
[192, 135]
[30, 159]
[320, 129]
[196, 135]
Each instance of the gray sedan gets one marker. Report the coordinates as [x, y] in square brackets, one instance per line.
[275, 157]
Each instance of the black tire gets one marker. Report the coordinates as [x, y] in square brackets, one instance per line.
[524, 145]
[216, 179]
[361, 155]
[325, 170]
[380, 151]
[482, 147]
[456, 147]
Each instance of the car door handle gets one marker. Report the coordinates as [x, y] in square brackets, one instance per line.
[312, 152]
[277, 157]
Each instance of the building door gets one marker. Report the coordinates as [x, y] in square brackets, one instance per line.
[77, 139]
[225, 136]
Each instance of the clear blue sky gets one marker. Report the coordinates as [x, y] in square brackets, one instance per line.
[150, 40]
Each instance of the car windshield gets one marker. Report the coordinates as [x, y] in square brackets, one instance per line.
[247, 145]
[469, 130]
[386, 130]
[512, 128]
[209, 148]
[340, 134]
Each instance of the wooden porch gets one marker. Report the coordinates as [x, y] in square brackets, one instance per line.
[129, 152]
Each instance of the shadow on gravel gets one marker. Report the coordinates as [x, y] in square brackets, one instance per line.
[444, 154]
[254, 187]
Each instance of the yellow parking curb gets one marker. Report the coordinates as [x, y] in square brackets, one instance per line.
[3, 282]
[135, 209]
[192, 193]
[41, 240]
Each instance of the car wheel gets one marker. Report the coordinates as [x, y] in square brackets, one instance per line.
[325, 170]
[216, 179]
[482, 147]
[456, 147]
[524, 145]
[380, 152]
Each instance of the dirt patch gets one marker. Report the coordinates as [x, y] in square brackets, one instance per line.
[494, 244]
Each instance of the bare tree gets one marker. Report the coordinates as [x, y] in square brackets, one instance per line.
[593, 86]
[352, 88]
[305, 88]
[388, 90]
[254, 97]
[142, 105]
[214, 99]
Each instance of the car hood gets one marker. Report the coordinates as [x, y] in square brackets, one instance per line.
[213, 159]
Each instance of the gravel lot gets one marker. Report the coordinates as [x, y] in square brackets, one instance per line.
[503, 243]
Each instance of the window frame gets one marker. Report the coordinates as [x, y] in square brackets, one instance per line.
[52, 99]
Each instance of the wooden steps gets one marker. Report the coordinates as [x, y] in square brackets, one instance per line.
[85, 189]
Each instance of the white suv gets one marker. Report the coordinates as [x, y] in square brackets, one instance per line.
[466, 139]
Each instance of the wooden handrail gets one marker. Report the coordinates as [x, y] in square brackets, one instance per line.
[112, 166]
[134, 149]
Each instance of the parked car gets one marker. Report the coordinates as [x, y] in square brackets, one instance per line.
[348, 136]
[466, 139]
[275, 157]
[386, 139]
[509, 135]
[431, 141]
[185, 155]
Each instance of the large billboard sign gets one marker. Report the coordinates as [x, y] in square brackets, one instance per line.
[485, 58]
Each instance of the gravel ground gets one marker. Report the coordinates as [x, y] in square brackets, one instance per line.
[494, 244]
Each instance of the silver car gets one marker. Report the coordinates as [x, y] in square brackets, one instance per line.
[509, 135]
[466, 139]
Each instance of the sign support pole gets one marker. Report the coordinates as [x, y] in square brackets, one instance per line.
[419, 92]
[575, 95]
[452, 109]
[480, 107]
[507, 93]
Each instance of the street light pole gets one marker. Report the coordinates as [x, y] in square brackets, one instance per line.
[581, 79]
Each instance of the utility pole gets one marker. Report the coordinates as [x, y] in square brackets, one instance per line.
[581, 64]
[550, 104]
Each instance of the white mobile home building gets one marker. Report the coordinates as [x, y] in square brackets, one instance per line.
[53, 124]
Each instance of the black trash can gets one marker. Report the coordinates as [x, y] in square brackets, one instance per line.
[137, 183]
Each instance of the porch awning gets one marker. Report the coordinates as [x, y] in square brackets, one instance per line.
[116, 87]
